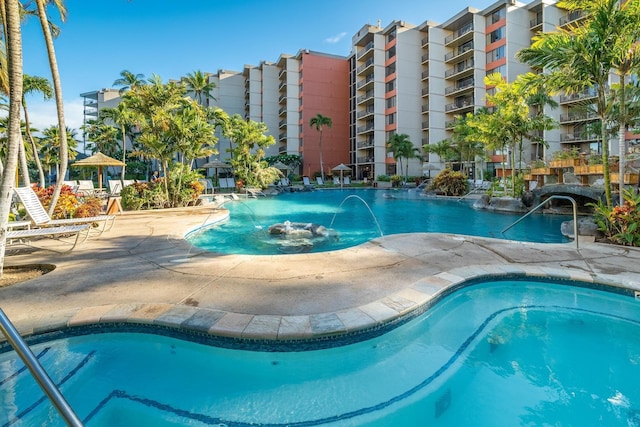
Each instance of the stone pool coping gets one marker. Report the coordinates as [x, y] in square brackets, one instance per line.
[143, 272]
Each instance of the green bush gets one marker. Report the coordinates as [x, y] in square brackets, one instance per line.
[451, 183]
[383, 178]
[620, 224]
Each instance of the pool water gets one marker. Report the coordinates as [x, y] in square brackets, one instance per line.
[502, 353]
[357, 216]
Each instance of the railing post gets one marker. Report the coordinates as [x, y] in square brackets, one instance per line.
[38, 372]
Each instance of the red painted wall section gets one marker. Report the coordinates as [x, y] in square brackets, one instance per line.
[325, 91]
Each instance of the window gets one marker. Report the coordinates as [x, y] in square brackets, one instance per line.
[391, 52]
[391, 102]
[391, 118]
[390, 69]
[496, 16]
[501, 69]
[496, 54]
[390, 86]
[495, 35]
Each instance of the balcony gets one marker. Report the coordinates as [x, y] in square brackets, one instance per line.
[450, 124]
[458, 87]
[425, 91]
[282, 123]
[425, 125]
[578, 117]
[282, 110]
[368, 143]
[425, 75]
[425, 108]
[282, 98]
[424, 41]
[459, 33]
[425, 58]
[571, 138]
[365, 113]
[364, 98]
[459, 104]
[364, 82]
[459, 68]
[366, 49]
[282, 149]
[468, 47]
[580, 96]
[570, 17]
[535, 23]
[282, 136]
[364, 66]
[368, 159]
[366, 128]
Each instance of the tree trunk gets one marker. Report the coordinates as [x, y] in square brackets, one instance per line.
[321, 162]
[24, 168]
[57, 88]
[124, 152]
[11, 17]
[34, 147]
[622, 152]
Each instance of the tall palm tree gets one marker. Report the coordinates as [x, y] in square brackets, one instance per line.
[57, 90]
[319, 122]
[402, 147]
[128, 81]
[582, 57]
[123, 117]
[35, 84]
[199, 83]
[11, 17]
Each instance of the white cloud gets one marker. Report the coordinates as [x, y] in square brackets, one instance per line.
[43, 114]
[335, 39]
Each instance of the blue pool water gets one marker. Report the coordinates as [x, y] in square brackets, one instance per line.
[357, 216]
[501, 353]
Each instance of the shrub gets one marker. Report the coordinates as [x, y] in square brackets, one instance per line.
[396, 180]
[620, 224]
[451, 183]
[383, 178]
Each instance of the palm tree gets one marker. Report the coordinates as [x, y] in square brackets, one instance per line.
[123, 117]
[35, 84]
[319, 122]
[128, 81]
[581, 57]
[402, 147]
[57, 89]
[199, 83]
[11, 18]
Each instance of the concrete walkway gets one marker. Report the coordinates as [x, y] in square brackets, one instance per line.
[143, 271]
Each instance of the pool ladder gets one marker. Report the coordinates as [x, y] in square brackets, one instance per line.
[555, 196]
[38, 372]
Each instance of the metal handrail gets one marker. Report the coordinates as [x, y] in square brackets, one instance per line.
[555, 196]
[38, 372]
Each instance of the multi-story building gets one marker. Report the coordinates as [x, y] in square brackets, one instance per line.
[402, 78]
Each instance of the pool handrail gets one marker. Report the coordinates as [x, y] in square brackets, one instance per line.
[38, 372]
[555, 196]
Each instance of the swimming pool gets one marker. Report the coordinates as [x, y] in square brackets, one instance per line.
[357, 216]
[500, 353]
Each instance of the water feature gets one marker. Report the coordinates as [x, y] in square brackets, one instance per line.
[383, 212]
[354, 196]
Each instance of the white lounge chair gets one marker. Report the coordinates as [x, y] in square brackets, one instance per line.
[115, 186]
[306, 182]
[319, 180]
[72, 184]
[208, 186]
[336, 180]
[41, 218]
[347, 180]
[25, 237]
[128, 182]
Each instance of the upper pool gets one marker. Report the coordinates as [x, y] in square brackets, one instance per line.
[350, 217]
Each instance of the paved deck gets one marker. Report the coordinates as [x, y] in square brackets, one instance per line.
[143, 271]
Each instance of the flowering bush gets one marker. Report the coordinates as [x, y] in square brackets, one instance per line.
[69, 205]
[620, 224]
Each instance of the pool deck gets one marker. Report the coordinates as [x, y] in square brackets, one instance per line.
[143, 271]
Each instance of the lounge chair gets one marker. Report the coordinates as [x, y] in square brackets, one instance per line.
[26, 236]
[72, 184]
[336, 180]
[306, 182]
[208, 186]
[86, 188]
[128, 182]
[40, 217]
[319, 180]
[347, 180]
[115, 186]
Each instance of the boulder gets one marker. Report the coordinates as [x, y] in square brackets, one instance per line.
[586, 227]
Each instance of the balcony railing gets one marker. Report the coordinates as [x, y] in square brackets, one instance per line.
[365, 128]
[458, 87]
[364, 66]
[459, 68]
[570, 17]
[425, 91]
[365, 97]
[587, 93]
[577, 137]
[457, 52]
[365, 144]
[364, 82]
[425, 74]
[576, 117]
[462, 103]
[425, 108]
[459, 33]
[535, 22]
[366, 112]
[364, 50]
[368, 159]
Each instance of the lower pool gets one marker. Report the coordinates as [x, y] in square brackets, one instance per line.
[501, 353]
[351, 217]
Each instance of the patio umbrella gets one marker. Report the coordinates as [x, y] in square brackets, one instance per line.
[342, 168]
[216, 164]
[98, 160]
[429, 167]
[281, 166]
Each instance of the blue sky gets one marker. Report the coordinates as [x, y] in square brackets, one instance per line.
[172, 38]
